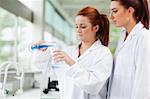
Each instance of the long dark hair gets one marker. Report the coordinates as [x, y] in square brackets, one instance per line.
[141, 10]
[97, 19]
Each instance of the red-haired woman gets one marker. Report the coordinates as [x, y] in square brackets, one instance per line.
[89, 62]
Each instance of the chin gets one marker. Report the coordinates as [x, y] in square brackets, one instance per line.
[118, 25]
[79, 38]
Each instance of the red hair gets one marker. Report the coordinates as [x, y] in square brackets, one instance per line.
[97, 19]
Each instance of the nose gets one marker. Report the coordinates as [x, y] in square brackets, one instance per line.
[78, 30]
[111, 16]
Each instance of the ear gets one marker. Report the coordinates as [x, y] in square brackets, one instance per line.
[131, 10]
[96, 28]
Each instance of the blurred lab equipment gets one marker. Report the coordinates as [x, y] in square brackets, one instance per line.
[43, 60]
[19, 76]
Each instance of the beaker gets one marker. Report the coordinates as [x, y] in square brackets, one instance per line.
[54, 63]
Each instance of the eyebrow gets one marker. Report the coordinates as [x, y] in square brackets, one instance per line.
[81, 24]
[113, 9]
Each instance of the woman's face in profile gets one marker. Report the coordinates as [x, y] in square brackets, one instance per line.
[84, 28]
[118, 14]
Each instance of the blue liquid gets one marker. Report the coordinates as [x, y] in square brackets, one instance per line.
[33, 47]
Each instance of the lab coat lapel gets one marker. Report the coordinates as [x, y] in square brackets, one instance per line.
[89, 50]
[134, 31]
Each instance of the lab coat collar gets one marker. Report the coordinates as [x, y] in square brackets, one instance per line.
[94, 46]
[136, 29]
[133, 32]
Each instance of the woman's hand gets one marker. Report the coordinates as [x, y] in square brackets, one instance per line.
[59, 55]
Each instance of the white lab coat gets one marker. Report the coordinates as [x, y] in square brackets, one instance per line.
[149, 65]
[130, 76]
[87, 78]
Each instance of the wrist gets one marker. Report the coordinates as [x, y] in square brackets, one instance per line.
[71, 63]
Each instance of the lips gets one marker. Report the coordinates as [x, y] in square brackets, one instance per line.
[114, 21]
[79, 34]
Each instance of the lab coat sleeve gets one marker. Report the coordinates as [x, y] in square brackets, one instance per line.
[41, 59]
[140, 85]
[91, 79]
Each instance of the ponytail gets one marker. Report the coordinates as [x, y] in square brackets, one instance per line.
[97, 19]
[144, 15]
[103, 32]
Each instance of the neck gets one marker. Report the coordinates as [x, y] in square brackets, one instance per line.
[129, 26]
[86, 45]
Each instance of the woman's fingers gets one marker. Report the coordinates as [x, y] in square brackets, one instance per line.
[58, 52]
[58, 56]
[43, 49]
[40, 42]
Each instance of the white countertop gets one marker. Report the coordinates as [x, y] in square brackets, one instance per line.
[35, 94]
[51, 95]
